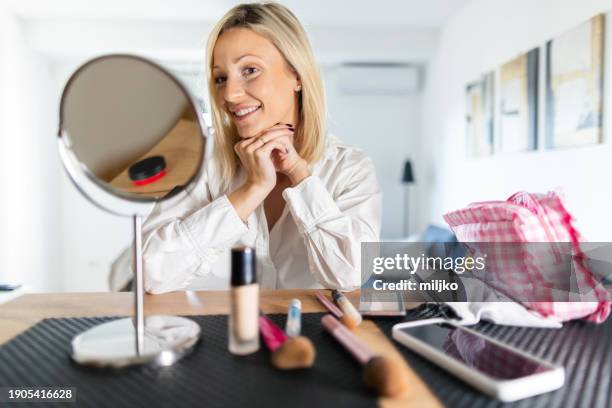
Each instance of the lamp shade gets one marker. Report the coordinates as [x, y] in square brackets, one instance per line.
[408, 176]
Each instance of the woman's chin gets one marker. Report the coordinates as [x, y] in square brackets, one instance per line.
[246, 132]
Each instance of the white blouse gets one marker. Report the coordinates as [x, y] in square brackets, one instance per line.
[316, 242]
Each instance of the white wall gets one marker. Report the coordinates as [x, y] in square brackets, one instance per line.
[386, 127]
[481, 37]
[29, 204]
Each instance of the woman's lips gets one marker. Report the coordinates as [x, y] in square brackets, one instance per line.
[245, 116]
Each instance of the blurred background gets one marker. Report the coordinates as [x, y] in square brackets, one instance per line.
[395, 73]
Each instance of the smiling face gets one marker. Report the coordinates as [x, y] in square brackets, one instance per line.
[253, 82]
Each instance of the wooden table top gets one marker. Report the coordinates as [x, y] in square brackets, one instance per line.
[25, 311]
[182, 151]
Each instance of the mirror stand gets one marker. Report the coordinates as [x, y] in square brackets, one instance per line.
[117, 113]
[159, 340]
[139, 280]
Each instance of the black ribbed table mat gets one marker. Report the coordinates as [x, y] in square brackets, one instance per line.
[209, 377]
[212, 377]
[584, 349]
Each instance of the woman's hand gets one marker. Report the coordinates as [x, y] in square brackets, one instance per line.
[256, 158]
[262, 156]
[284, 156]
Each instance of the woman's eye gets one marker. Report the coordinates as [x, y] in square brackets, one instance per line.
[219, 80]
[249, 71]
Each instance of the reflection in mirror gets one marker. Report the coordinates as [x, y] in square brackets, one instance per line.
[120, 111]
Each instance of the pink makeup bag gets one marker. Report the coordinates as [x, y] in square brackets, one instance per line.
[534, 274]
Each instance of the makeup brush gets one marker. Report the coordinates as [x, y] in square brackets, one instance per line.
[333, 309]
[352, 318]
[286, 353]
[349, 321]
[385, 376]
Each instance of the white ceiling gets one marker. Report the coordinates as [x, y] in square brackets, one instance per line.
[404, 31]
[415, 14]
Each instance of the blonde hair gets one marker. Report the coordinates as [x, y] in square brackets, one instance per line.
[279, 25]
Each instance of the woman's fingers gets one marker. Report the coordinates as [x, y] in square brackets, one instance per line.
[287, 142]
[287, 137]
[256, 144]
[243, 144]
[277, 136]
[278, 126]
[266, 149]
[259, 149]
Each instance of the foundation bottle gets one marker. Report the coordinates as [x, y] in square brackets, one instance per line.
[243, 322]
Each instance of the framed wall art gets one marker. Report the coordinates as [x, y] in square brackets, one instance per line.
[519, 103]
[479, 116]
[574, 86]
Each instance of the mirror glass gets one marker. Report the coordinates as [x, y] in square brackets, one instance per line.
[132, 127]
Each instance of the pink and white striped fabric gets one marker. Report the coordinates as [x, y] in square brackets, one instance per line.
[532, 274]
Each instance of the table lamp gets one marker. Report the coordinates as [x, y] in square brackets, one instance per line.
[407, 179]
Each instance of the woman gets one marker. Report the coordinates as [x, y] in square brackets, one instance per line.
[278, 183]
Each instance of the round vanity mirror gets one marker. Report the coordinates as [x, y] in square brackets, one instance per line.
[131, 131]
[133, 127]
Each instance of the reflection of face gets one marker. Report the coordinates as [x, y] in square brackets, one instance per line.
[254, 84]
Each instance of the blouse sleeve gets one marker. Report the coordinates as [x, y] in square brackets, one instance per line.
[184, 236]
[334, 227]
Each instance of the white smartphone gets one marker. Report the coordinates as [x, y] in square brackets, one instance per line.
[492, 367]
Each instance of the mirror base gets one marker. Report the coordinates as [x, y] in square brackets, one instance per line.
[113, 344]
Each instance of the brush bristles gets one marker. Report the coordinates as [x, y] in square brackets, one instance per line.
[386, 377]
[295, 353]
[350, 321]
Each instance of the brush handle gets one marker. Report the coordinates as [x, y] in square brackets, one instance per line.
[344, 336]
[273, 336]
[347, 308]
[329, 305]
